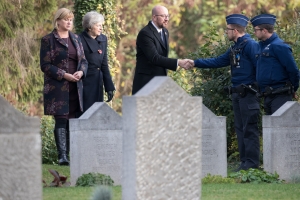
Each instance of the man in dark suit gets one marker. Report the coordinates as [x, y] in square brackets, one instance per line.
[152, 47]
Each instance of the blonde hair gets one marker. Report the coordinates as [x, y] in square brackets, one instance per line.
[62, 13]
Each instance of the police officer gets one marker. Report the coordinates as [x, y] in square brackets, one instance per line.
[277, 73]
[241, 58]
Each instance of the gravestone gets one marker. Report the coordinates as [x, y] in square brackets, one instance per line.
[214, 148]
[162, 128]
[281, 141]
[96, 143]
[20, 155]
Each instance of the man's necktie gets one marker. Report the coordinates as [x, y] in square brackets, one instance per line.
[162, 38]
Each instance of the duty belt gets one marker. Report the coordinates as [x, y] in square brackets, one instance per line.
[287, 89]
[241, 89]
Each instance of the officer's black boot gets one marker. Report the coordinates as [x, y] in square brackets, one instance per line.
[61, 145]
[241, 167]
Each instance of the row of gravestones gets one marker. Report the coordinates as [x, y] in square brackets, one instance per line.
[160, 148]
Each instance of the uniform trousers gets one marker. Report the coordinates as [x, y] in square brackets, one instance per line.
[246, 115]
[275, 101]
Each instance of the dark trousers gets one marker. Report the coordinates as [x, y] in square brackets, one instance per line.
[275, 101]
[246, 114]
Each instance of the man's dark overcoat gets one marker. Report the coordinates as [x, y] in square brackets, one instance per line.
[54, 63]
[151, 57]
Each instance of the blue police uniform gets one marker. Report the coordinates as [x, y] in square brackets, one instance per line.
[244, 72]
[275, 68]
[242, 59]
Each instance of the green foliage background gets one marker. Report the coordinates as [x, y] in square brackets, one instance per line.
[49, 152]
[196, 31]
[22, 23]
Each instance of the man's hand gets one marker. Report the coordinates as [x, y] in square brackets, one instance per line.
[186, 63]
[192, 63]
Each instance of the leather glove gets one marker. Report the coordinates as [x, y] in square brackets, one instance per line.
[110, 95]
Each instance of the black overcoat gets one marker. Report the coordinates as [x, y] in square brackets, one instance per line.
[98, 74]
[151, 57]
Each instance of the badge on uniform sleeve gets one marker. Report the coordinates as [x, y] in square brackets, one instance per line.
[100, 51]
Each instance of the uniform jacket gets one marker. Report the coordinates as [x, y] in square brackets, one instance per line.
[246, 71]
[54, 64]
[151, 57]
[276, 64]
[98, 74]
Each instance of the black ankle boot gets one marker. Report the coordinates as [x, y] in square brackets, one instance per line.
[61, 145]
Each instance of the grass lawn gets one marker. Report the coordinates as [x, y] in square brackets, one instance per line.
[209, 191]
[75, 193]
[250, 191]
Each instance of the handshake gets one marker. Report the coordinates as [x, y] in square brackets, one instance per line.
[186, 63]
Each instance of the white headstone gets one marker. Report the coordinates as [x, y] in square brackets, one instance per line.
[20, 154]
[162, 128]
[96, 143]
[281, 141]
[214, 148]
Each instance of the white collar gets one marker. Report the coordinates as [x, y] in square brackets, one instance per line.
[158, 29]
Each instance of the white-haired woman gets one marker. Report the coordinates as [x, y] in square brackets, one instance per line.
[95, 49]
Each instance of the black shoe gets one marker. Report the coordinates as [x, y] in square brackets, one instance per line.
[240, 167]
[246, 168]
[247, 165]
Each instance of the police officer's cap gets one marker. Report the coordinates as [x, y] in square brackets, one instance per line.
[237, 19]
[263, 19]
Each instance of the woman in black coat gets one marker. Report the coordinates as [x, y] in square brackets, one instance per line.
[95, 49]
